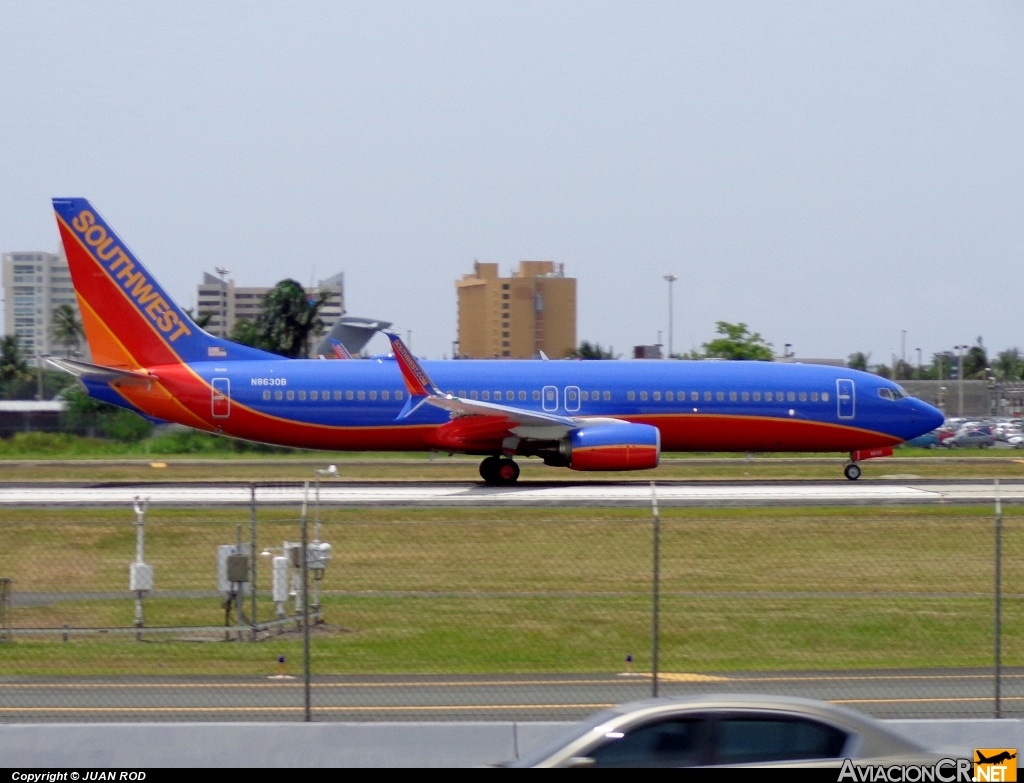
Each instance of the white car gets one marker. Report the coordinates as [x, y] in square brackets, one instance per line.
[728, 730]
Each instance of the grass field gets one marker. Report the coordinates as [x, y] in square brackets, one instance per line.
[534, 590]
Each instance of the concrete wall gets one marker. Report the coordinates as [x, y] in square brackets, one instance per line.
[308, 745]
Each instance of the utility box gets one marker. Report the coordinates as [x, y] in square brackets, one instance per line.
[233, 568]
[238, 568]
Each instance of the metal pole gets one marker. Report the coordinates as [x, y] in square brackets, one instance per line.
[670, 279]
[305, 607]
[252, 555]
[656, 578]
[998, 656]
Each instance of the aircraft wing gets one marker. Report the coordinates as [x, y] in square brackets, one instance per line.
[518, 421]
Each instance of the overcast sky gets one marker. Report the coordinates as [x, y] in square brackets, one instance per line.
[832, 174]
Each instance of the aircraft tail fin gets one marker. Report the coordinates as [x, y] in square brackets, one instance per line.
[129, 320]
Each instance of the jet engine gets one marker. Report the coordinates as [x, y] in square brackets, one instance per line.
[613, 446]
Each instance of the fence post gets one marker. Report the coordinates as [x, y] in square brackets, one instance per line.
[655, 586]
[305, 604]
[998, 634]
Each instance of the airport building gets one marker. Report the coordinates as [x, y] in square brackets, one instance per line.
[517, 317]
[226, 304]
[35, 284]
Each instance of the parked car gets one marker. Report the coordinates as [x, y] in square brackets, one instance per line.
[970, 439]
[717, 730]
[930, 440]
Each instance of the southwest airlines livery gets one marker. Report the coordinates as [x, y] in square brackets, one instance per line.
[150, 357]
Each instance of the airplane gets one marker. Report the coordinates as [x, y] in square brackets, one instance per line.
[996, 759]
[150, 357]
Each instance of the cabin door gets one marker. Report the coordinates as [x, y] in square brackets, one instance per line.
[572, 398]
[549, 398]
[220, 398]
[845, 398]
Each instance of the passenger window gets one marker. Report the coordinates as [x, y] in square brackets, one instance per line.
[302, 395]
[720, 396]
[669, 743]
[643, 396]
[767, 396]
[824, 397]
[607, 396]
[631, 396]
[373, 395]
[361, 395]
[732, 396]
[314, 395]
[266, 396]
[803, 396]
[757, 396]
[753, 739]
[791, 396]
[707, 396]
[278, 395]
[657, 396]
[349, 395]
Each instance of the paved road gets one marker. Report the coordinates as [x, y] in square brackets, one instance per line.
[678, 493]
[946, 693]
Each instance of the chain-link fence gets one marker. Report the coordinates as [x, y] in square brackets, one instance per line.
[529, 614]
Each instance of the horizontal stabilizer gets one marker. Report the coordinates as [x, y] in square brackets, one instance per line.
[95, 372]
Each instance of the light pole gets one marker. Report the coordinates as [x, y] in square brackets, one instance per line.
[960, 376]
[918, 363]
[222, 271]
[670, 279]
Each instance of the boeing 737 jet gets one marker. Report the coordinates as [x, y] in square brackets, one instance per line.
[150, 357]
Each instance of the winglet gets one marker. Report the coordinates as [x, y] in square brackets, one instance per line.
[416, 379]
[417, 382]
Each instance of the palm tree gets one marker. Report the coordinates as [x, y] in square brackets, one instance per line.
[290, 318]
[14, 372]
[66, 328]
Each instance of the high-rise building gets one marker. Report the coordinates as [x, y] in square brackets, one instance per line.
[517, 317]
[36, 284]
[226, 304]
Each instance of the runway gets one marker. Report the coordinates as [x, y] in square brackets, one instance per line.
[884, 492]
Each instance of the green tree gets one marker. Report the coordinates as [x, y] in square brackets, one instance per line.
[976, 362]
[15, 376]
[736, 342]
[66, 328]
[289, 319]
[1009, 365]
[858, 361]
[589, 350]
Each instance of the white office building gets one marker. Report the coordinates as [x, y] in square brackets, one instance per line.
[35, 284]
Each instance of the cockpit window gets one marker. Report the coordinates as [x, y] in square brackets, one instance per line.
[895, 393]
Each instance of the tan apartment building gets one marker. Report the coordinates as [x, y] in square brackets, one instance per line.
[516, 317]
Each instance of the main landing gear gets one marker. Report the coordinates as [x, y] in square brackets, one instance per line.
[499, 470]
[852, 471]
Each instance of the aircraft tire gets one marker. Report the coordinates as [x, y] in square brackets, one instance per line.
[852, 471]
[508, 471]
[489, 469]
